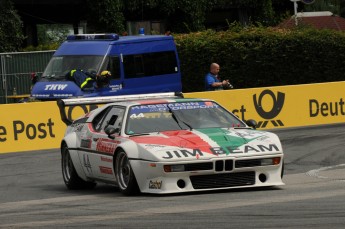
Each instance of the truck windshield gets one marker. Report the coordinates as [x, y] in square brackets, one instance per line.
[59, 66]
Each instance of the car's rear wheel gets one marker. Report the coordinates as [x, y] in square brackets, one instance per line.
[124, 175]
[70, 175]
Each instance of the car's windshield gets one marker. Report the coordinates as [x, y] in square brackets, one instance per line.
[179, 115]
[59, 66]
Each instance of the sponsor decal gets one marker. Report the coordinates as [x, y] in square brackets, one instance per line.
[173, 106]
[278, 103]
[106, 146]
[105, 170]
[85, 143]
[225, 137]
[215, 141]
[85, 134]
[155, 184]
[106, 159]
[87, 164]
[245, 134]
[77, 127]
[115, 87]
[183, 153]
[153, 146]
[260, 148]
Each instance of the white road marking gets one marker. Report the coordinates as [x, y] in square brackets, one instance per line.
[315, 172]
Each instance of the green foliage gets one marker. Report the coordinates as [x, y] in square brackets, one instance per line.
[106, 15]
[261, 57]
[342, 8]
[41, 47]
[180, 15]
[238, 3]
[249, 56]
[267, 14]
[51, 34]
[11, 35]
[50, 37]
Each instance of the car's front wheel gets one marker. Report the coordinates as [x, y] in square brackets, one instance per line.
[70, 175]
[124, 175]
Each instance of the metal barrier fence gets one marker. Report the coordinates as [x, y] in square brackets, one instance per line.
[16, 70]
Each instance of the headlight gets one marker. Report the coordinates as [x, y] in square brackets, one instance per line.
[173, 168]
[270, 161]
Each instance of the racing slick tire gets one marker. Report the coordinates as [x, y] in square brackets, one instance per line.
[124, 175]
[69, 174]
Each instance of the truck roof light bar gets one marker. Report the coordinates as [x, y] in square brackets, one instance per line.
[102, 36]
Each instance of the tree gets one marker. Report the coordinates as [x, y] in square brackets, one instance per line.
[342, 8]
[106, 15]
[11, 33]
[267, 15]
[186, 15]
[52, 33]
[252, 11]
[180, 15]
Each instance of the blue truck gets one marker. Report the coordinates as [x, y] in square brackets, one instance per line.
[137, 65]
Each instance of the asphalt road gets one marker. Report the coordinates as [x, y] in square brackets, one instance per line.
[33, 195]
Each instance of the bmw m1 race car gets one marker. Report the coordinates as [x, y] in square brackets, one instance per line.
[164, 143]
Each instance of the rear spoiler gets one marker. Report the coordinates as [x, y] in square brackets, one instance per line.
[63, 103]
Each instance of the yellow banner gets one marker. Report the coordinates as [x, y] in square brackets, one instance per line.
[38, 125]
[285, 106]
[30, 126]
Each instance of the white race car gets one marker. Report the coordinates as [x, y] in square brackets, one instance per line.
[163, 143]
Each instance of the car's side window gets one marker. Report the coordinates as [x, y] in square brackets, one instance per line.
[113, 118]
[97, 121]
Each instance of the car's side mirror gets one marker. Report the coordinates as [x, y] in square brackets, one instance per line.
[110, 131]
[252, 123]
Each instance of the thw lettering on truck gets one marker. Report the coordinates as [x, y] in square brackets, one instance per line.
[55, 87]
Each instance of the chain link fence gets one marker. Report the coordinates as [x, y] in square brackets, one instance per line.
[16, 72]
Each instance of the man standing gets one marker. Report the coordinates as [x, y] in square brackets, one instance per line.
[213, 82]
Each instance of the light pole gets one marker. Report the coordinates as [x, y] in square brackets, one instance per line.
[4, 74]
[295, 6]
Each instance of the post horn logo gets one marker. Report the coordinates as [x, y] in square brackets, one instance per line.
[278, 103]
